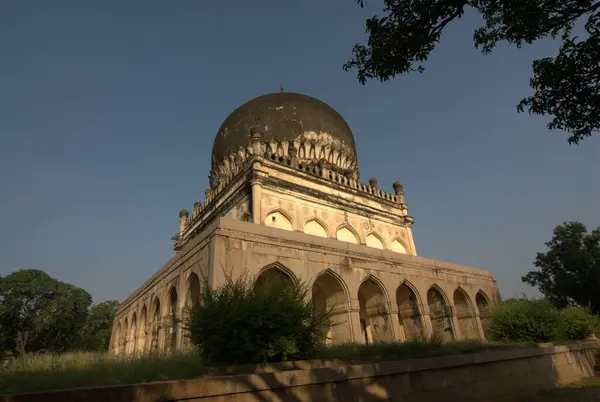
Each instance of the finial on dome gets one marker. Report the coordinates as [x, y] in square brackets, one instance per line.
[398, 187]
[281, 86]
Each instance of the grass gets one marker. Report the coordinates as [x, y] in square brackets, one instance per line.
[587, 390]
[71, 370]
[50, 372]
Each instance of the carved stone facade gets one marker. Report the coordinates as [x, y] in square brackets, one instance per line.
[289, 203]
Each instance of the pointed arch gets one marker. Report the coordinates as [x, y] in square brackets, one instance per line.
[374, 240]
[280, 219]
[155, 324]
[192, 299]
[275, 272]
[173, 319]
[125, 335]
[484, 307]
[374, 311]
[398, 246]
[133, 334]
[329, 293]
[409, 311]
[141, 338]
[439, 313]
[316, 227]
[465, 314]
[345, 232]
[117, 339]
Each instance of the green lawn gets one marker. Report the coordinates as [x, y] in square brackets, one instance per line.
[587, 390]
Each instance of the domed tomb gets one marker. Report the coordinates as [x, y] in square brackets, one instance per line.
[316, 133]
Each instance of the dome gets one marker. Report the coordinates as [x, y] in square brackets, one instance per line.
[286, 116]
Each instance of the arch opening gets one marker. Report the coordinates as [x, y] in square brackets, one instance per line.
[465, 316]
[278, 220]
[117, 340]
[439, 313]
[192, 299]
[374, 313]
[125, 336]
[173, 321]
[156, 326]
[273, 275]
[133, 336]
[315, 228]
[397, 247]
[484, 313]
[409, 313]
[328, 295]
[141, 338]
[374, 241]
[345, 234]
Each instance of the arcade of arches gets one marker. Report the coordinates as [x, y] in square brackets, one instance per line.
[379, 317]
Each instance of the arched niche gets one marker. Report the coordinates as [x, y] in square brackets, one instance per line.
[278, 220]
[329, 295]
[465, 315]
[347, 235]
[483, 305]
[396, 246]
[192, 298]
[125, 336]
[274, 274]
[373, 241]
[117, 340]
[439, 313]
[315, 228]
[134, 334]
[409, 314]
[173, 320]
[141, 338]
[156, 325]
[374, 313]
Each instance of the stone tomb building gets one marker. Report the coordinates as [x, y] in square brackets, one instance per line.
[285, 200]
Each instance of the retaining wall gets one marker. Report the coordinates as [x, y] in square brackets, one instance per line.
[496, 375]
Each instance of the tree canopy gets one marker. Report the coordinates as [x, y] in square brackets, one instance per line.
[566, 86]
[40, 313]
[569, 272]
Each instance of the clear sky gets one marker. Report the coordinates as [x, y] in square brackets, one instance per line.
[108, 111]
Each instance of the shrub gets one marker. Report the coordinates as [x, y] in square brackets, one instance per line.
[242, 323]
[523, 320]
[576, 321]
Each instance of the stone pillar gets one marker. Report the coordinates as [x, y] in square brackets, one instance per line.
[454, 322]
[426, 321]
[197, 208]
[479, 326]
[256, 184]
[397, 330]
[354, 313]
[183, 216]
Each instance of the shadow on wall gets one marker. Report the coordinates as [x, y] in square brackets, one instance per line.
[496, 375]
[481, 377]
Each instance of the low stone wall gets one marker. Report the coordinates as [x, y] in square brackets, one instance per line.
[496, 375]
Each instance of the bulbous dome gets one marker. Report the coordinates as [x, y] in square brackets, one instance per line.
[292, 117]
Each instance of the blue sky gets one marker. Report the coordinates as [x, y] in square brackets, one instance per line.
[108, 110]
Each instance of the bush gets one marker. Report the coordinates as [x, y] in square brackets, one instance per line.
[242, 323]
[576, 321]
[523, 320]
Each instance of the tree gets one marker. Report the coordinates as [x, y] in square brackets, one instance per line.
[566, 87]
[95, 334]
[38, 312]
[569, 272]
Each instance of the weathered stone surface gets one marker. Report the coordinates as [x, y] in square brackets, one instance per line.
[452, 378]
